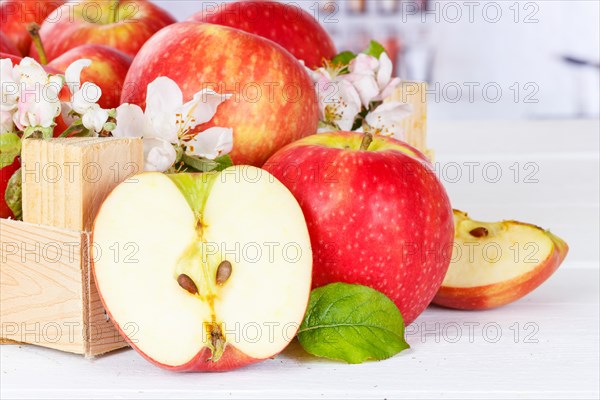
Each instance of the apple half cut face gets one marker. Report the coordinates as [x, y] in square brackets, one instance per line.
[203, 271]
[494, 264]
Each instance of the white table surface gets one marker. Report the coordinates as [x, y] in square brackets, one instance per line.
[545, 345]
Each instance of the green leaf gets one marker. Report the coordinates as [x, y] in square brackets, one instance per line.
[13, 194]
[224, 162]
[352, 323]
[375, 49]
[198, 164]
[10, 147]
[343, 58]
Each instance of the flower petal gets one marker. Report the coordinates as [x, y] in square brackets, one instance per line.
[86, 97]
[163, 109]
[388, 90]
[163, 97]
[95, 118]
[131, 121]
[202, 108]
[365, 85]
[73, 74]
[363, 64]
[384, 74]
[159, 155]
[36, 113]
[351, 105]
[386, 119]
[31, 73]
[10, 87]
[211, 143]
[6, 122]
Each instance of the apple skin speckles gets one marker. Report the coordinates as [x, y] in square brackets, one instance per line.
[273, 99]
[67, 27]
[286, 24]
[379, 218]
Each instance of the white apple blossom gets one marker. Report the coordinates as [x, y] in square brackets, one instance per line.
[168, 121]
[84, 98]
[38, 103]
[353, 94]
[372, 77]
[386, 119]
[339, 102]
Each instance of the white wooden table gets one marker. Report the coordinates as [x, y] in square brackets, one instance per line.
[544, 346]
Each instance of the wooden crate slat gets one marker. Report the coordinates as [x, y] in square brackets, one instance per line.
[41, 286]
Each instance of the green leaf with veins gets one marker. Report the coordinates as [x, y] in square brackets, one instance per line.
[352, 323]
[10, 147]
[375, 49]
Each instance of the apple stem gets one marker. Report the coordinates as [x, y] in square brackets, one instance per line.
[34, 32]
[113, 16]
[366, 142]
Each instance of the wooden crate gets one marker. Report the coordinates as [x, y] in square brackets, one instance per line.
[47, 291]
[48, 296]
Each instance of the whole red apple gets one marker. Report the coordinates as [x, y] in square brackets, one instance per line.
[108, 70]
[273, 99]
[15, 15]
[5, 174]
[377, 215]
[124, 25]
[286, 24]
[8, 47]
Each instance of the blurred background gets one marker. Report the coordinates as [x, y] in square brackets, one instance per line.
[482, 59]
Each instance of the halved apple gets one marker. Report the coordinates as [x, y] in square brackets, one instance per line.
[494, 264]
[203, 271]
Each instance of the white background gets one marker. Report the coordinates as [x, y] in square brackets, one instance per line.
[472, 44]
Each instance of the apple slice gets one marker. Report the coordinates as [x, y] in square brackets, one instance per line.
[203, 272]
[494, 264]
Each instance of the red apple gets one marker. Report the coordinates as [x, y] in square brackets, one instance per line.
[108, 70]
[494, 264]
[15, 15]
[5, 174]
[377, 214]
[286, 24]
[208, 284]
[273, 103]
[7, 46]
[81, 22]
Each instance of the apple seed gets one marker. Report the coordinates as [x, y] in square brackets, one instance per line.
[479, 232]
[223, 272]
[187, 283]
